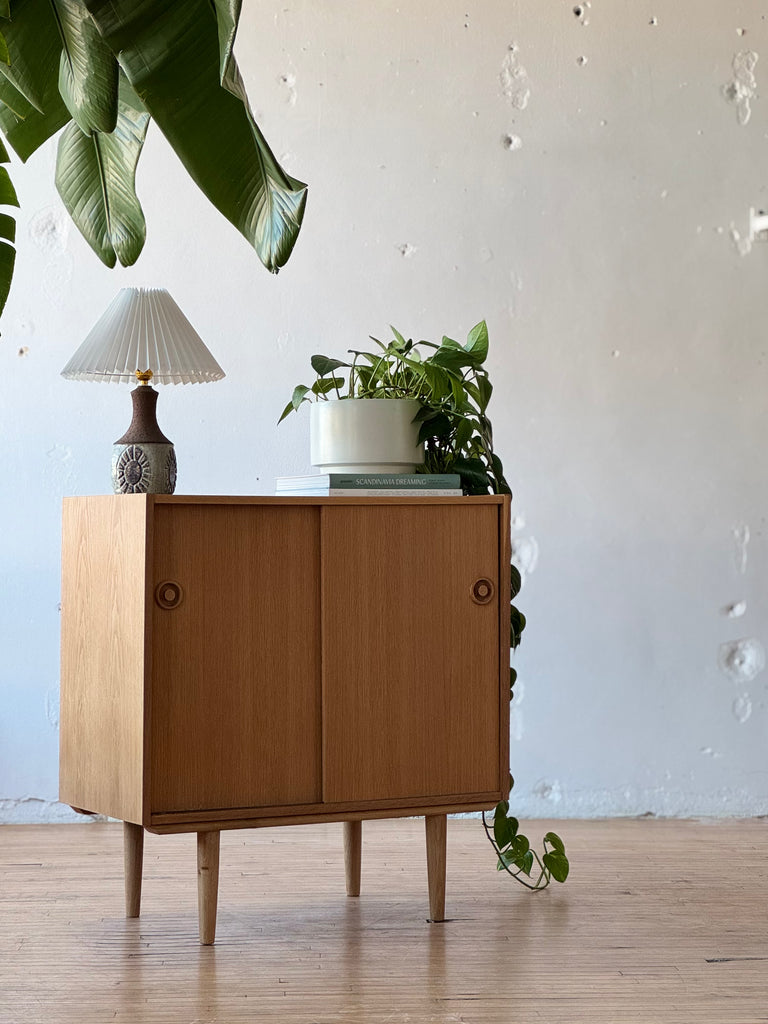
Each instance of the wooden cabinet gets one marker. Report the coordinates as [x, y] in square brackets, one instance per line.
[235, 662]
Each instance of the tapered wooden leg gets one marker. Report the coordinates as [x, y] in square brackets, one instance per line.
[207, 884]
[133, 855]
[353, 850]
[436, 835]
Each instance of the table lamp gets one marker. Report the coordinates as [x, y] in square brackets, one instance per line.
[143, 336]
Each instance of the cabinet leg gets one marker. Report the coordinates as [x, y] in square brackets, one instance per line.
[353, 850]
[207, 884]
[436, 837]
[133, 856]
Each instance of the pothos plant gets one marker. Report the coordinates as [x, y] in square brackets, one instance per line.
[101, 69]
[452, 384]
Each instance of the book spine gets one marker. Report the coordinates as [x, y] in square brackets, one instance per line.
[417, 481]
[396, 492]
[371, 492]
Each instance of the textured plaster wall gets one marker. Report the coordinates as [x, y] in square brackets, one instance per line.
[581, 176]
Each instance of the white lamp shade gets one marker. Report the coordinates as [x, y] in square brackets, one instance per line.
[143, 329]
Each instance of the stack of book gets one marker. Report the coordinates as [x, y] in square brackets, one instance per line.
[375, 484]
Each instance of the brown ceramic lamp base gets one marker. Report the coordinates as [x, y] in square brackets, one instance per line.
[143, 459]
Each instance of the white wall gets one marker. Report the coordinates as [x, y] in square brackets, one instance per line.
[587, 192]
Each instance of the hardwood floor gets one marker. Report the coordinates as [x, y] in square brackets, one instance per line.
[661, 922]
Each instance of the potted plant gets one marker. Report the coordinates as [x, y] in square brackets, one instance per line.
[450, 388]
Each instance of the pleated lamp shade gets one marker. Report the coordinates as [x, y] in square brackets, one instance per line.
[143, 329]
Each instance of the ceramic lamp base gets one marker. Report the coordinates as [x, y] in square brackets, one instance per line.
[144, 467]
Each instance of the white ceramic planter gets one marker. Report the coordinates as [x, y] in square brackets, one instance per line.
[365, 435]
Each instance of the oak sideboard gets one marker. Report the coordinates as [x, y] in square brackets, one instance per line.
[236, 662]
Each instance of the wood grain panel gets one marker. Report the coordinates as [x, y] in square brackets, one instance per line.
[410, 662]
[235, 683]
[102, 654]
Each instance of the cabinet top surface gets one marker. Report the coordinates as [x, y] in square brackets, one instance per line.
[263, 499]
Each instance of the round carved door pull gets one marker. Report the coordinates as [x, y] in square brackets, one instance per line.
[482, 591]
[169, 594]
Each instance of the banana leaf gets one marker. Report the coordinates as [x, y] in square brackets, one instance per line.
[35, 46]
[171, 53]
[29, 33]
[7, 230]
[88, 70]
[227, 18]
[96, 179]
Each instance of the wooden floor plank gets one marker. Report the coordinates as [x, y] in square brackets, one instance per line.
[662, 922]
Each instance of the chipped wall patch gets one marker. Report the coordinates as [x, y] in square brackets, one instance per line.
[743, 246]
[735, 610]
[49, 230]
[52, 706]
[742, 708]
[551, 791]
[288, 80]
[581, 12]
[742, 88]
[516, 725]
[406, 250]
[741, 540]
[525, 554]
[515, 84]
[741, 660]
[512, 142]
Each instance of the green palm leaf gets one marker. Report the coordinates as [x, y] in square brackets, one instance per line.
[96, 179]
[7, 230]
[35, 45]
[88, 70]
[227, 17]
[171, 54]
[29, 33]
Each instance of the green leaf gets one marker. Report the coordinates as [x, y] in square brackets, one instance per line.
[557, 865]
[10, 97]
[525, 863]
[485, 390]
[325, 384]
[555, 841]
[452, 358]
[324, 364]
[439, 426]
[7, 261]
[5, 8]
[520, 845]
[516, 626]
[33, 110]
[504, 828]
[227, 18]
[7, 227]
[171, 53]
[516, 580]
[299, 395]
[477, 342]
[29, 37]
[88, 71]
[5, 56]
[96, 179]
[474, 476]
[398, 335]
[512, 680]
[7, 191]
